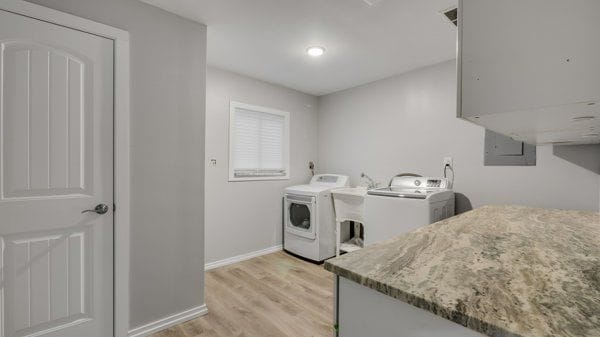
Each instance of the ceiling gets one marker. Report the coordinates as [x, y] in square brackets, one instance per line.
[267, 39]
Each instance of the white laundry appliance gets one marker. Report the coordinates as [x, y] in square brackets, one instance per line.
[407, 203]
[309, 222]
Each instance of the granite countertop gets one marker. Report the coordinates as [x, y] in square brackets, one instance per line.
[499, 270]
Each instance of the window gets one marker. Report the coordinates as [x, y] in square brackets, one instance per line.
[258, 143]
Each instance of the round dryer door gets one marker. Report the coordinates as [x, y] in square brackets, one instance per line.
[300, 217]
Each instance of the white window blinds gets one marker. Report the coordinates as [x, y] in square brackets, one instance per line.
[258, 143]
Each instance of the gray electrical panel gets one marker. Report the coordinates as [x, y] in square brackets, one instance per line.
[501, 150]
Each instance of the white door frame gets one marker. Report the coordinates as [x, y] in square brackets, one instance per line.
[121, 142]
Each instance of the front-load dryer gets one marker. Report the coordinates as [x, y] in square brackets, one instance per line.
[309, 221]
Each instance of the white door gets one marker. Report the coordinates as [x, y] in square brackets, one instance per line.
[56, 160]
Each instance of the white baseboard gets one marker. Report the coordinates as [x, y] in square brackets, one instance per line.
[243, 257]
[167, 322]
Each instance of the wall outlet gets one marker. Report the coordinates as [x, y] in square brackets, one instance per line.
[448, 161]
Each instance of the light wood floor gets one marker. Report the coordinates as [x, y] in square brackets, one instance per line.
[274, 295]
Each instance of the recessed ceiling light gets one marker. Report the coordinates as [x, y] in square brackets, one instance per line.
[315, 51]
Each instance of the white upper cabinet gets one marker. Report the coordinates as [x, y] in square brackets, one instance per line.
[530, 69]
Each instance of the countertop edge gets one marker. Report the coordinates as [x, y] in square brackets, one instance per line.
[421, 303]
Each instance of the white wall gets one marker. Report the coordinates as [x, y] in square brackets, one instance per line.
[168, 60]
[407, 123]
[244, 217]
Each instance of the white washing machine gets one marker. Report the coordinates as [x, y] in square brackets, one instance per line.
[309, 221]
[408, 203]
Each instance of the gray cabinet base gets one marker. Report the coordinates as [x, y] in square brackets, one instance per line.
[362, 311]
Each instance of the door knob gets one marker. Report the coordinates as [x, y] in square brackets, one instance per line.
[99, 209]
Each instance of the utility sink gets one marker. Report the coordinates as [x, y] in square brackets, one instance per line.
[349, 203]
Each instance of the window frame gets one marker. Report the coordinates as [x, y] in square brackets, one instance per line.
[233, 105]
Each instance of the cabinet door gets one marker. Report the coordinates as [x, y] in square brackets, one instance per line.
[523, 55]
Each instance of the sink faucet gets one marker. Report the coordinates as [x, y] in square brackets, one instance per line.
[372, 184]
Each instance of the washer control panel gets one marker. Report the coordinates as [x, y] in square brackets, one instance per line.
[419, 183]
[435, 183]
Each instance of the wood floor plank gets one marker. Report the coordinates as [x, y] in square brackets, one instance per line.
[273, 299]
[305, 295]
[274, 295]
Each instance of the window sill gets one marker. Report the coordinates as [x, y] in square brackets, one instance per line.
[267, 178]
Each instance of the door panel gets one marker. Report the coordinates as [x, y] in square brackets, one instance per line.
[48, 273]
[44, 122]
[56, 160]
